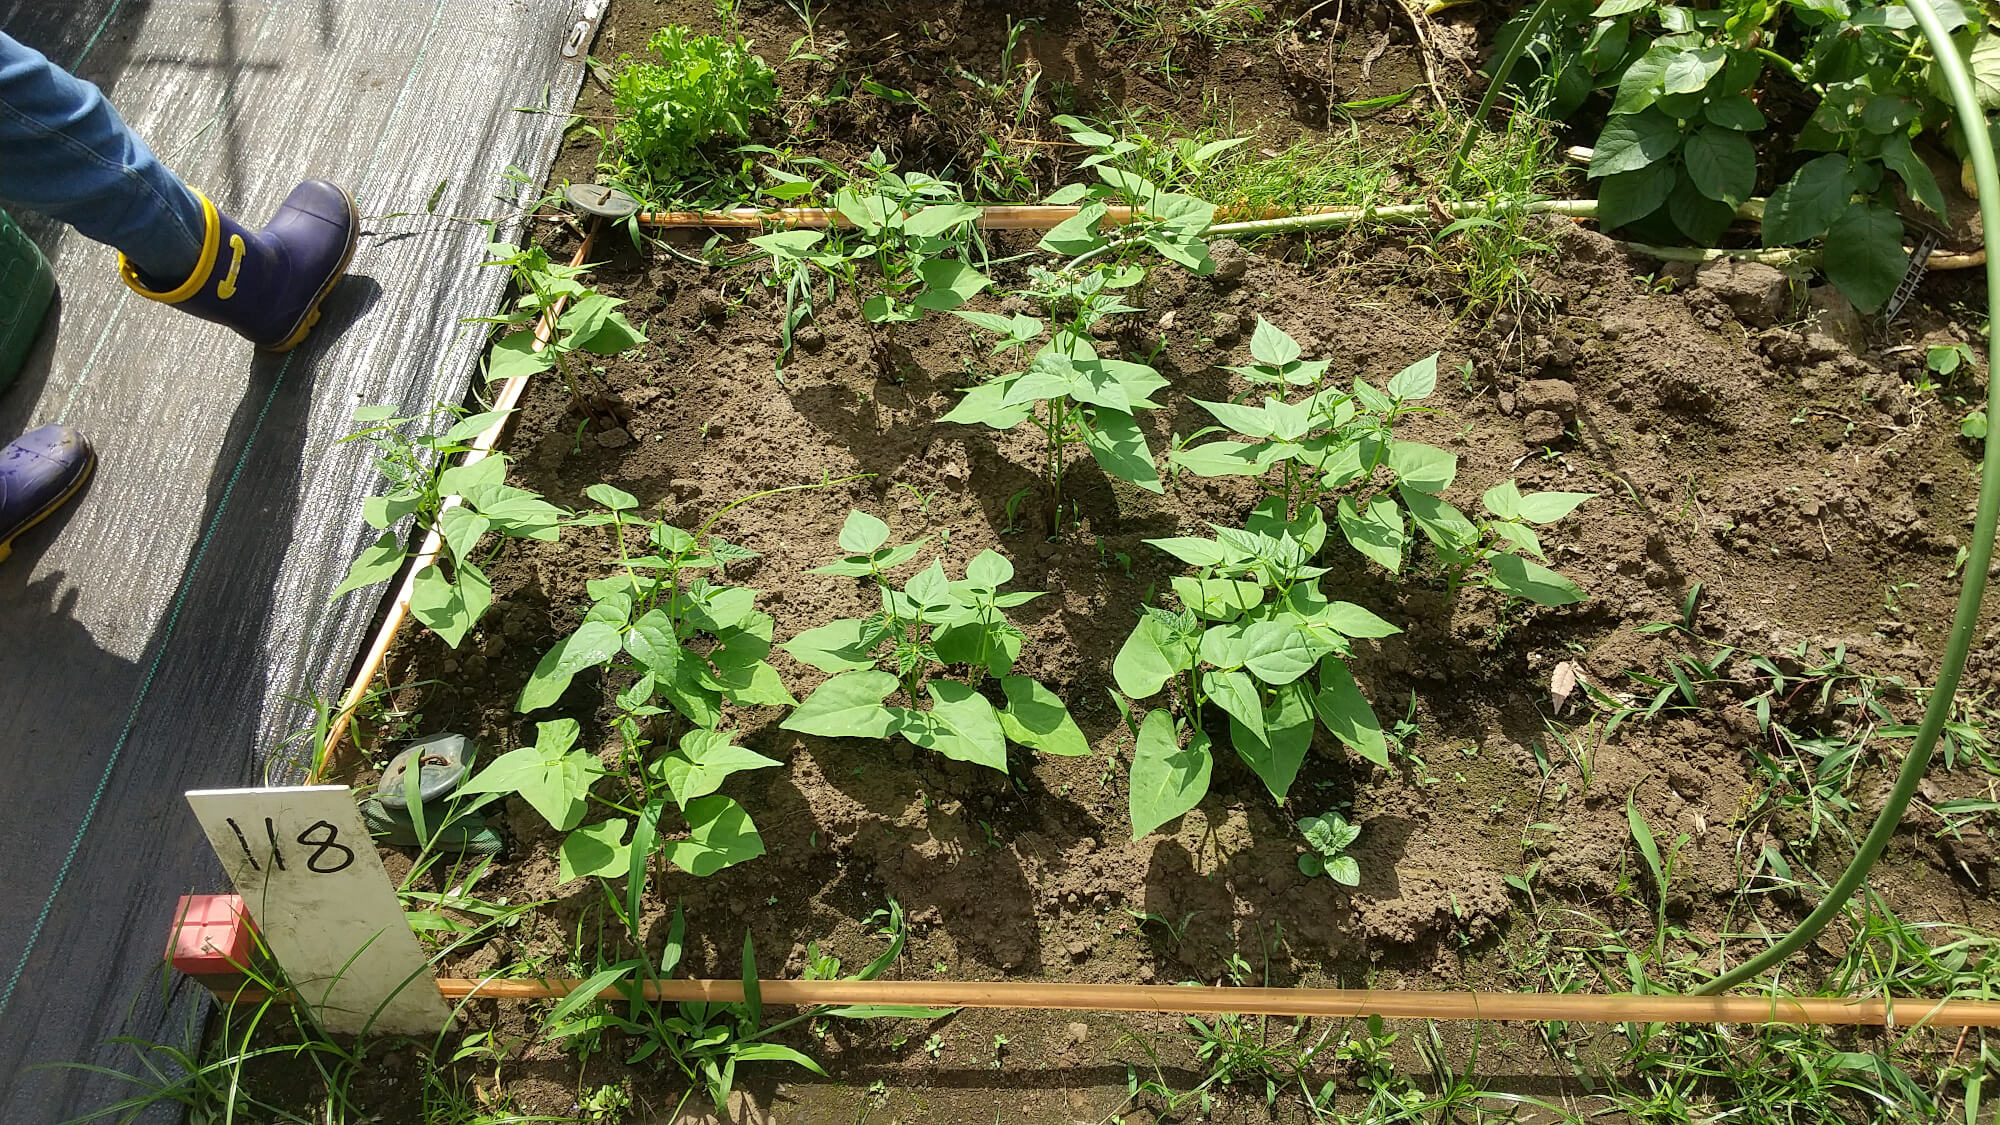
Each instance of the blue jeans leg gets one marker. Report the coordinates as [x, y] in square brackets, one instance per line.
[66, 153]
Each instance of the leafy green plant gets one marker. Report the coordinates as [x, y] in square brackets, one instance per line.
[1168, 223]
[553, 776]
[1075, 397]
[1691, 84]
[929, 625]
[914, 228]
[1333, 440]
[701, 88]
[1329, 837]
[1256, 639]
[590, 322]
[451, 593]
[685, 644]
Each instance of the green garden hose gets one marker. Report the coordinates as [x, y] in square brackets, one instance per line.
[1978, 556]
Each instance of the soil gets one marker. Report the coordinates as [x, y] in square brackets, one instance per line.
[1784, 468]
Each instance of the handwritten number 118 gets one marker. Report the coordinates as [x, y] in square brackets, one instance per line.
[327, 855]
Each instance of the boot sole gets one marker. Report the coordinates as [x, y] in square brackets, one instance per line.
[311, 317]
[50, 508]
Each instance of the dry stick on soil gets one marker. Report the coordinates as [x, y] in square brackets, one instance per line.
[1330, 1003]
[509, 397]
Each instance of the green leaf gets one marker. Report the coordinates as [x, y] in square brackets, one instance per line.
[1276, 748]
[1236, 693]
[1423, 467]
[847, 706]
[949, 284]
[616, 499]
[961, 725]
[1864, 255]
[1376, 532]
[1226, 458]
[1166, 780]
[1416, 381]
[1548, 507]
[1114, 439]
[1443, 524]
[938, 218]
[1516, 575]
[515, 357]
[378, 563]
[1810, 203]
[1700, 218]
[706, 759]
[1722, 163]
[1734, 111]
[1147, 660]
[721, 835]
[1270, 344]
[1276, 652]
[588, 991]
[1639, 86]
[1346, 712]
[1686, 71]
[846, 645]
[1076, 234]
[1344, 870]
[1192, 551]
[862, 533]
[1503, 500]
[1036, 718]
[593, 643]
[450, 609]
[1630, 196]
[753, 996]
[460, 528]
[1903, 160]
[1350, 620]
[1630, 141]
[990, 569]
[788, 243]
[594, 849]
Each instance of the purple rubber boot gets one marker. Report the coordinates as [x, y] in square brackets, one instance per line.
[38, 473]
[266, 285]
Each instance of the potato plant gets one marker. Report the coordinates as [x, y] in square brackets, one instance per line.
[1255, 638]
[1689, 86]
[1342, 442]
[927, 626]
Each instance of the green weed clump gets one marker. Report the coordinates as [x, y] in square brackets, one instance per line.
[703, 88]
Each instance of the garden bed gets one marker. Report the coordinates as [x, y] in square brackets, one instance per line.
[1774, 484]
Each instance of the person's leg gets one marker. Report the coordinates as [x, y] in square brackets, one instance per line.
[66, 153]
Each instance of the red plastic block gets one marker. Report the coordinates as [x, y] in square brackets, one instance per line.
[213, 939]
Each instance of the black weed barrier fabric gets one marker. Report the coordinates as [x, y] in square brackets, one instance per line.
[157, 636]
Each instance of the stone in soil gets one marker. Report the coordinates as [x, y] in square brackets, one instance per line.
[1551, 395]
[1758, 294]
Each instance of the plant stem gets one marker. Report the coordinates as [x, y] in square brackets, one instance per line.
[1979, 555]
[1501, 73]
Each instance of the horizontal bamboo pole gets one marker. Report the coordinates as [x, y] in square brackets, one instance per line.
[330, 759]
[1337, 1003]
[1270, 220]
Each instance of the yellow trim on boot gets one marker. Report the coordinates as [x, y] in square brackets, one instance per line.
[211, 245]
[52, 507]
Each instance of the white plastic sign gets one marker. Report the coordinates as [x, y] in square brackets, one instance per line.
[311, 879]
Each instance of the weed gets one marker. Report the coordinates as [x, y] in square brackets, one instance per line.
[1176, 931]
[691, 91]
[931, 624]
[1330, 836]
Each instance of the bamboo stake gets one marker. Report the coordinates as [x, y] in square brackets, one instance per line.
[1328, 1003]
[509, 397]
[1273, 220]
